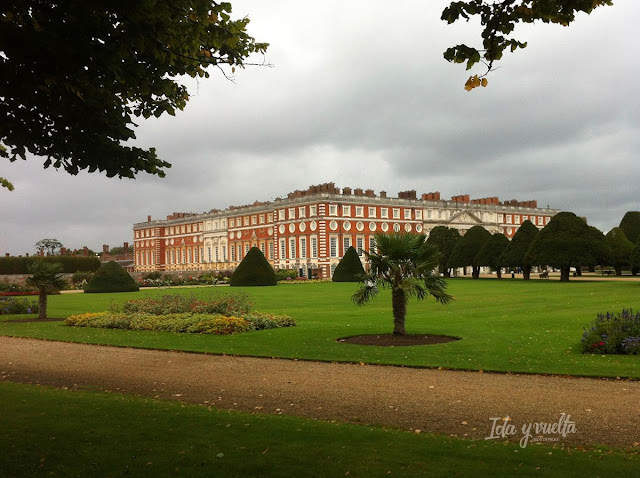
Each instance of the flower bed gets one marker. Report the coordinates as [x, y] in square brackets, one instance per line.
[18, 293]
[613, 333]
[224, 315]
[11, 306]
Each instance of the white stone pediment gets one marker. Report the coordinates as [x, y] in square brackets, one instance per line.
[465, 217]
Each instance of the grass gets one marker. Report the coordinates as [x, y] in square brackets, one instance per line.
[48, 432]
[506, 326]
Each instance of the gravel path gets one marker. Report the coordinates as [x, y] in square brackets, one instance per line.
[438, 401]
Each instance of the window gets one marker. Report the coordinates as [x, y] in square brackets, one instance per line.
[314, 247]
[540, 220]
[137, 235]
[508, 218]
[302, 211]
[246, 220]
[407, 213]
[217, 255]
[270, 217]
[346, 243]
[224, 253]
[283, 249]
[209, 253]
[313, 211]
[333, 209]
[167, 257]
[271, 250]
[360, 245]
[173, 256]
[233, 254]
[547, 219]
[517, 218]
[372, 244]
[384, 213]
[190, 255]
[346, 211]
[500, 217]
[281, 215]
[188, 227]
[261, 218]
[292, 248]
[396, 213]
[247, 246]
[262, 248]
[181, 230]
[359, 211]
[232, 223]
[418, 214]
[195, 255]
[239, 252]
[372, 212]
[303, 247]
[254, 220]
[333, 246]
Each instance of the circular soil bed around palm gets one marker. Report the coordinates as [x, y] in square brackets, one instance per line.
[390, 340]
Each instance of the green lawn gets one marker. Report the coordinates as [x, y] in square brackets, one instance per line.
[48, 432]
[507, 325]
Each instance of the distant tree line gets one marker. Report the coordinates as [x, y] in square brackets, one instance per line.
[566, 242]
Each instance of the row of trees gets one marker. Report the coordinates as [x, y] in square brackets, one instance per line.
[566, 242]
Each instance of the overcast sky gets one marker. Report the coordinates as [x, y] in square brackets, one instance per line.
[360, 95]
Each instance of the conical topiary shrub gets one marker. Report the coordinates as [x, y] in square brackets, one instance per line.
[350, 268]
[111, 277]
[254, 270]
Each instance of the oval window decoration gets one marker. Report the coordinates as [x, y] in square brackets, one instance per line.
[372, 226]
[509, 230]
[385, 227]
[333, 225]
[396, 227]
[281, 229]
[347, 226]
[313, 226]
[270, 231]
[303, 227]
[360, 226]
[171, 242]
[166, 242]
[418, 227]
[292, 228]
[407, 227]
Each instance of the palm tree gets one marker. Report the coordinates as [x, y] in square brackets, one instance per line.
[46, 277]
[404, 263]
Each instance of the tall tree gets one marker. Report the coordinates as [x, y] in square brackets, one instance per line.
[404, 263]
[499, 19]
[630, 225]
[515, 253]
[74, 77]
[489, 253]
[468, 247]
[46, 277]
[444, 239]
[621, 248]
[568, 241]
[51, 246]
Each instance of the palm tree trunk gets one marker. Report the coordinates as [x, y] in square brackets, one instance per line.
[399, 305]
[526, 272]
[42, 304]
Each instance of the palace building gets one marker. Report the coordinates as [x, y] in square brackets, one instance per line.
[310, 230]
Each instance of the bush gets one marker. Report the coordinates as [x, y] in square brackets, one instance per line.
[237, 304]
[111, 277]
[254, 270]
[155, 275]
[350, 268]
[613, 333]
[286, 274]
[13, 305]
[70, 264]
[80, 279]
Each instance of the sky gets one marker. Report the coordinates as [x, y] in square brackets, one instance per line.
[359, 94]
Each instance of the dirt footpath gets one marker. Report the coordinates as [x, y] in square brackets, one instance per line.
[465, 404]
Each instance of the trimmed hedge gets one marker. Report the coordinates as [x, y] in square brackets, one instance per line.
[111, 277]
[254, 270]
[350, 268]
[70, 264]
